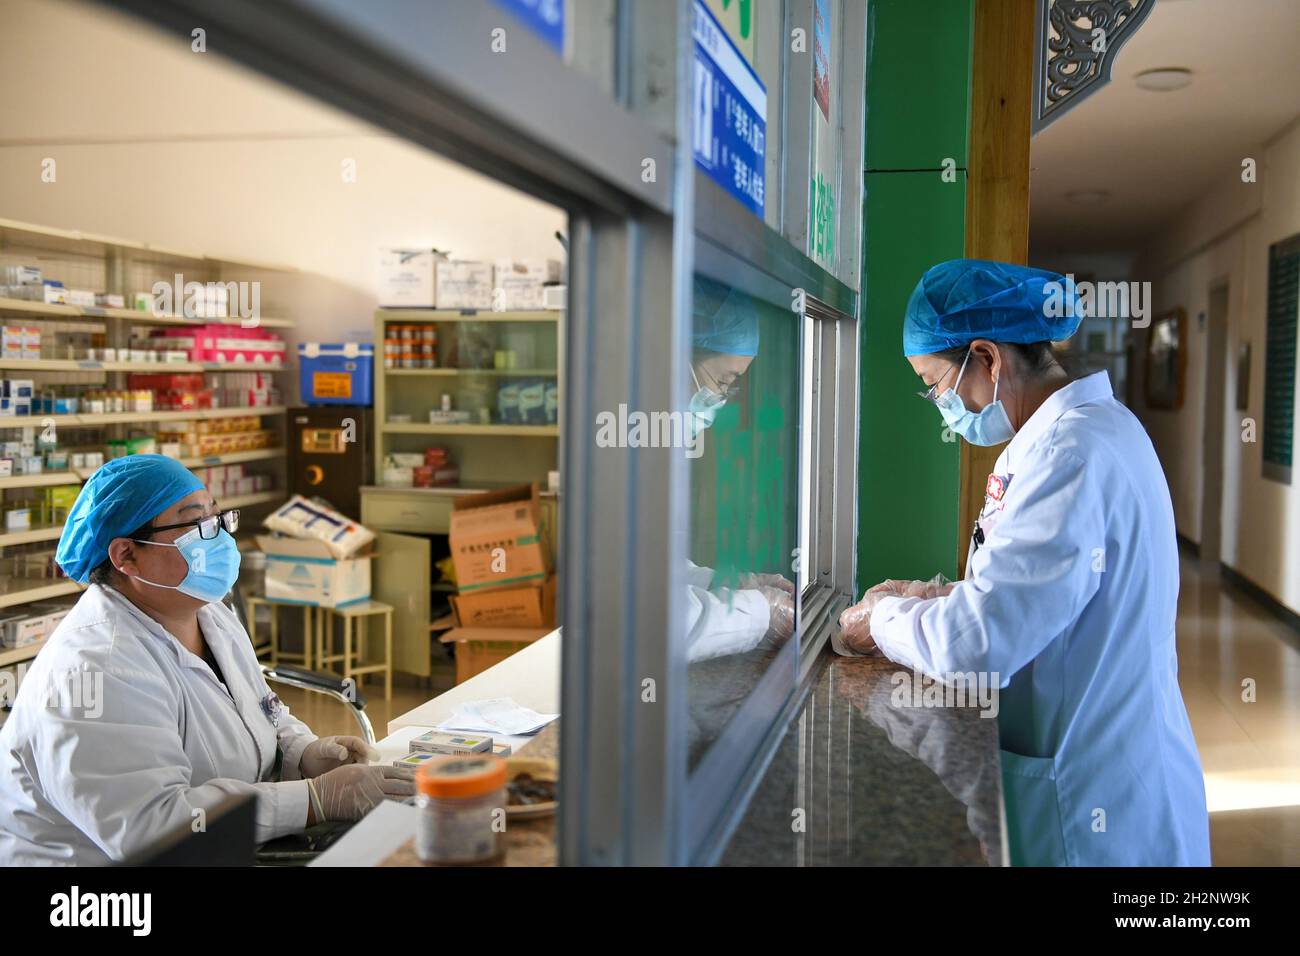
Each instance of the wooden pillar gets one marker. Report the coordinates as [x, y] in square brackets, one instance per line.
[997, 194]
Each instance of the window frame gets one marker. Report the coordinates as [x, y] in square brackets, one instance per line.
[534, 122]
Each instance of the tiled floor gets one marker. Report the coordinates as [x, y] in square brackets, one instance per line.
[1250, 750]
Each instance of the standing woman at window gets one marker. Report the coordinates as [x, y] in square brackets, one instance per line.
[1071, 586]
[147, 705]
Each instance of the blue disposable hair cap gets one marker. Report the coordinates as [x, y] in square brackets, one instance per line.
[121, 496]
[724, 320]
[962, 300]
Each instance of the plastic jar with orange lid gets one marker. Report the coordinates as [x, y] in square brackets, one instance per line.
[462, 801]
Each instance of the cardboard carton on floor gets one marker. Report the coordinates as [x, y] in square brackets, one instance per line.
[531, 606]
[303, 570]
[496, 541]
[478, 648]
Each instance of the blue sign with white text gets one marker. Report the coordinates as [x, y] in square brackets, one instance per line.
[544, 17]
[730, 114]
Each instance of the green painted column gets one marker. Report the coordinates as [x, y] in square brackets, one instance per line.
[918, 109]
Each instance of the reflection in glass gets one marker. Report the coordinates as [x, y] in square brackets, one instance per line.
[743, 414]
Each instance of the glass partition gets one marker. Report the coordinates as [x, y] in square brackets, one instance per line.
[743, 410]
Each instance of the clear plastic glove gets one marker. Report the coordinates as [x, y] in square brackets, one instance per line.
[353, 790]
[780, 616]
[855, 621]
[937, 586]
[766, 581]
[326, 753]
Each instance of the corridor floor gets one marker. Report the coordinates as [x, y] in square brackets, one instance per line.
[1250, 751]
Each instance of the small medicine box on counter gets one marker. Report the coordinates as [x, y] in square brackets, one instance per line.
[336, 374]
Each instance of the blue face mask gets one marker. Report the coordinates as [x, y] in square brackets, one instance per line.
[704, 406]
[213, 565]
[989, 426]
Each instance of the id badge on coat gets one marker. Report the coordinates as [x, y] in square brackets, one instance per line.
[272, 708]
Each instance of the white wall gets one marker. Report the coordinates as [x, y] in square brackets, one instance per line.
[1225, 237]
[157, 143]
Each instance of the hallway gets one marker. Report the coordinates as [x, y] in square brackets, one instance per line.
[1250, 751]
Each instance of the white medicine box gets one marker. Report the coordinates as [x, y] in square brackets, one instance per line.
[464, 285]
[524, 281]
[408, 278]
[303, 571]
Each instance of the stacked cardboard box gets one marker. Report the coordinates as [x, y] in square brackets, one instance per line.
[318, 557]
[506, 596]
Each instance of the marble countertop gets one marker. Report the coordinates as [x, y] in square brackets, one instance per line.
[864, 776]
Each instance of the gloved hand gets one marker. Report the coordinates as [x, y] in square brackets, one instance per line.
[353, 790]
[750, 581]
[323, 755]
[918, 589]
[855, 621]
[780, 617]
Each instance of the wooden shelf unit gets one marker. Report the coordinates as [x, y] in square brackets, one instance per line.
[115, 265]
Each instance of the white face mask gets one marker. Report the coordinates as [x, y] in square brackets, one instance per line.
[704, 406]
[989, 426]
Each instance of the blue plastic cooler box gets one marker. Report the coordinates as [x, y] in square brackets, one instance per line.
[336, 373]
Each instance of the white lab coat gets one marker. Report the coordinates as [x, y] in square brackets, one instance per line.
[724, 622]
[1071, 600]
[96, 768]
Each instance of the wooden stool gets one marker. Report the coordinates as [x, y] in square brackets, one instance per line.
[359, 612]
[311, 621]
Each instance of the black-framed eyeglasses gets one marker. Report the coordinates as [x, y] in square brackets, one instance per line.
[208, 527]
[931, 394]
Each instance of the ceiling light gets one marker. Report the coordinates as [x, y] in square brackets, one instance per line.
[1165, 79]
[1088, 197]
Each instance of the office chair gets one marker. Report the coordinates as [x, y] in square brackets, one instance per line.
[344, 691]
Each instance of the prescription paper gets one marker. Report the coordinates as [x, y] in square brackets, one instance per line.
[500, 715]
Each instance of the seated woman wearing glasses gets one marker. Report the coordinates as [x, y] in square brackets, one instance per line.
[147, 707]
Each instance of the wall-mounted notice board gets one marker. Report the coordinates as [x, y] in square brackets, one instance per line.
[1280, 358]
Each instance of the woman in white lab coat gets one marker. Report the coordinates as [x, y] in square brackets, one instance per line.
[147, 707]
[1071, 585]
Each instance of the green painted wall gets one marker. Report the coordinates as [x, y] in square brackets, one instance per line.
[918, 109]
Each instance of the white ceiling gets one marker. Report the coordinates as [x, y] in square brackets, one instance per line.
[79, 73]
[1157, 152]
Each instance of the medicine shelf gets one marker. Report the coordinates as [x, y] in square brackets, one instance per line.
[466, 315]
[49, 533]
[127, 265]
[256, 498]
[501, 431]
[52, 239]
[233, 458]
[208, 461]
[161, 368]
[9, 656]
[118, 418]
[53, 310]
[15, 591]
[44, 480]
[540, 372]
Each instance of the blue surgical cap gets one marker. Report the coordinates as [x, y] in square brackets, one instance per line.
[725, 320]
[121, 496]
[962, 300]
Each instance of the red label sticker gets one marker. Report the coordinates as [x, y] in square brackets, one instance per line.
[996, 487]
